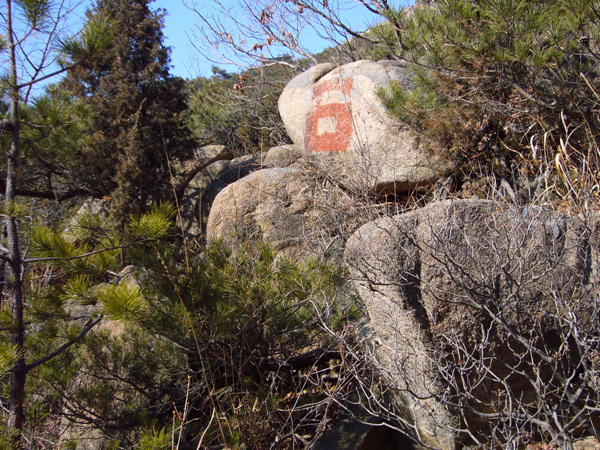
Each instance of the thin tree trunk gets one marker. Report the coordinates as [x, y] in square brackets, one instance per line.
[13, 274]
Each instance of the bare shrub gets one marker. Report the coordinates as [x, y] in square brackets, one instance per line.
[485, 323]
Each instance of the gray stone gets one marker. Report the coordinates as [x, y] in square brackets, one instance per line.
[281, 156]
[232, 172]
[336, 116]
[290, 210]
[589, 443]
[425, 276]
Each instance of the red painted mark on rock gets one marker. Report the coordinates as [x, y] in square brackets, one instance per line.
[329, 123]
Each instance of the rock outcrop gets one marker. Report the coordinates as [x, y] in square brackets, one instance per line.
[440, 283]
[295, 212]
[281, 156]
[466, 275]
[235, 170]
[335, 114]
[197, 185]
[218, 169]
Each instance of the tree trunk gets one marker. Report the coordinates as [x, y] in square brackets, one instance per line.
[13, 281]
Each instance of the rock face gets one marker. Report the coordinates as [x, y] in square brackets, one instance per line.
[468, 299]
[225, 175]
[335, 115]
[290, 210]
[460, 275]
[188, 203]
[281, 156]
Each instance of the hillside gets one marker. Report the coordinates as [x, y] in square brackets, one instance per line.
[393, 243]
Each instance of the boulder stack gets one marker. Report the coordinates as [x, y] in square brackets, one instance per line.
[296, 213]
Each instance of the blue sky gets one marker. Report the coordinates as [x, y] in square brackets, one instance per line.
[179, 31]
[181, 23]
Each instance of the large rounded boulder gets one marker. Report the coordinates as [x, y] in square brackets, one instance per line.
[295, 212]
[484, 318]
[335, 114]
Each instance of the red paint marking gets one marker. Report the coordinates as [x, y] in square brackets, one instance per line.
[320, 137]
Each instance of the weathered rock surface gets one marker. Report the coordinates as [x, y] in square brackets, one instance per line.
[188, 202]
[433, 278]
[335, 115]
[589, 443]
[281, 156]
[232, 172]
[292, 211]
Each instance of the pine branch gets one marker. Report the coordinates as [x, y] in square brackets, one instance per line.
[85, 330]
[225, 155]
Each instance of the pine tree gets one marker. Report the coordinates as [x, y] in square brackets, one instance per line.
[28, 26]
[137, 106]
[501, 80]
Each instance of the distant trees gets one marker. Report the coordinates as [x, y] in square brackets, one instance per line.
[137, 109]
[239, 110]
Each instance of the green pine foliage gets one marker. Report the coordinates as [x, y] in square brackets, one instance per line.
[210, 335]
[95, 38]
[501, 80]
[137, 110]
[155, 440]
[52, 149]
[8, 355]
[120, 352]
[122, 302]
[54, 125]
[157, 223]
[35, 12]
[71, 282]
[240, 317]
[177, 330]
